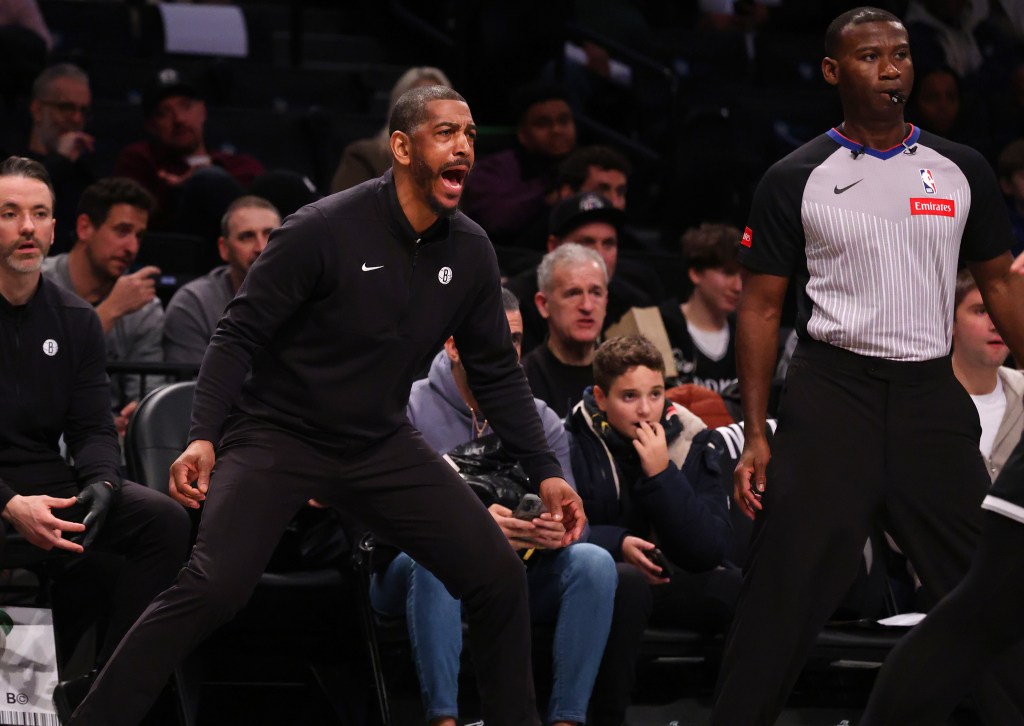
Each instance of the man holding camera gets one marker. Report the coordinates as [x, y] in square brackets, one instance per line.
[571, 588]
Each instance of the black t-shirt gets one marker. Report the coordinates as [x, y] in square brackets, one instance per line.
[622, 295]
[558, 385]
[692, 364]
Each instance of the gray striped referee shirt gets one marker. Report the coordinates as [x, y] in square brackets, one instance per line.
[872, 238]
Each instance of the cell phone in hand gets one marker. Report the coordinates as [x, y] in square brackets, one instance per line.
[529, 508]
[658, 557]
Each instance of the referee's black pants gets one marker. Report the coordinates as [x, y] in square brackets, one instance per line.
[400, 489]
[937, 664]
[858, 438]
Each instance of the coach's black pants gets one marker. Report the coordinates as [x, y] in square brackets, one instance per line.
[938, 663]
[858, 438]
[400, 489]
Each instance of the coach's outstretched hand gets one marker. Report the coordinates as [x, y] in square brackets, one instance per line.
[190, 474]
[565, 506]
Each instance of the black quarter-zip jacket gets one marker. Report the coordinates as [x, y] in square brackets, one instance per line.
[341, 311]
[53, 381]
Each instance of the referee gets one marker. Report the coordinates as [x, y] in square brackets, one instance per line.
[868, 220]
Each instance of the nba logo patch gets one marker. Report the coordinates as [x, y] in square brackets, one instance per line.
[928, 180]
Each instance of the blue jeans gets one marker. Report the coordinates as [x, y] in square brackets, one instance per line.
[577, 582]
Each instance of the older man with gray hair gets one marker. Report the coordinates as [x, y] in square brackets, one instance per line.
[572, 297]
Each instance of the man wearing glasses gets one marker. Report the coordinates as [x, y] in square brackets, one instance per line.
[60, 106]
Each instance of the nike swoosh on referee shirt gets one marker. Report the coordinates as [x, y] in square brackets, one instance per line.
[368, 269]
[837, 190]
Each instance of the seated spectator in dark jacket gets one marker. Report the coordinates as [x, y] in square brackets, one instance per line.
[113, 214]
[53, 385]
[649, 481]
[943, 34]
[571, 300]
[193, 312]
[589, 220]
[606, 171]
[60, 107]
[572, 587]
[595, 168]
[25, 42]
[369, 158]
[193, 184]
[510, 190]
[702, 330]
[942, 105]
[1010, 168]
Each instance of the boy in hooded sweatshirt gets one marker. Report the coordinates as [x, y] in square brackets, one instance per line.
[650, 483]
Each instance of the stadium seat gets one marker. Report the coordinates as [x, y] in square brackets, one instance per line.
[156, 435]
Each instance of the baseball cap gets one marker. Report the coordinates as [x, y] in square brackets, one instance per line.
[167, 82]
[583, 208]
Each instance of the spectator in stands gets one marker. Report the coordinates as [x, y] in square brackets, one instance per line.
[595, 168]
[53, 385]
[650, 483]
[193, 312]
[25, 42]
[942, 34]
[942, 105]
[113, 214]
[193, 184]
[606, 171]
[978, 357]
[734, 16]
[935, 102]
[570, 587]
[1004, 107]
[61, 103]
[702, 330]
[572, 298]
[366, 159]
[1010, 167]
[587, 219]
[508, 191]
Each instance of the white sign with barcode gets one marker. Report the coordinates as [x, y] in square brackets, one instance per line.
[16, 718]
[28, 669]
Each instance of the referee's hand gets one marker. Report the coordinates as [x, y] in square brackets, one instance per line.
[749, 480]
